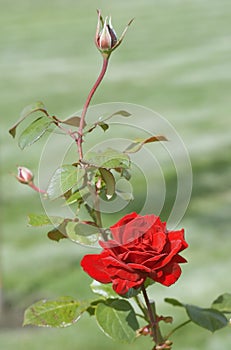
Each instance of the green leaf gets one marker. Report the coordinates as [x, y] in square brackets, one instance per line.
[109, 180]
[109, 159]
[82, 233]
[122, 113]
[64, 179]
[62, 312]
[59, 232]
[91, 309]
[104, 290]
[207, 318]
[75, 197]
[126, 196]
[44, 220]
[223, 303]
[73, 121]
[173, 302]
[38, 106]
[103, 126]
[56, 234]
[132, 292]
[124, 190]
[117, 319]
[101, 121]
[126, 174]
[34, 131]
[138, 144]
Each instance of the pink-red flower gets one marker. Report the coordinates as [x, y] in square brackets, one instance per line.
[25, 176]
[141, 247]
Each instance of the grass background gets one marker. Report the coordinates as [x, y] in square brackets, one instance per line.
[176, 60]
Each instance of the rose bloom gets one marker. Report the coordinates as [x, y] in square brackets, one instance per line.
[141, 247]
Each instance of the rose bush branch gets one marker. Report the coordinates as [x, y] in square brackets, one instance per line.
[137, 250]
[86, 105]
[106, 41]
[156, 334]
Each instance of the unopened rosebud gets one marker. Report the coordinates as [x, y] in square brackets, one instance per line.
[25, 176]
[106, 39]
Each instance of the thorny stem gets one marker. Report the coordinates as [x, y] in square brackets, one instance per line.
[86, 105]
[157, 337]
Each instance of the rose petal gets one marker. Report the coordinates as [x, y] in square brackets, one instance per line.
[139, 268]
[116, 268]
[172, 250]
[136, 257]
[178, 235]
[122, 286]
[168, 275]
[158, 241]
[93, 265]
[118, 228]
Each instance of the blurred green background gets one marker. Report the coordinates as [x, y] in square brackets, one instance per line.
[177, 61]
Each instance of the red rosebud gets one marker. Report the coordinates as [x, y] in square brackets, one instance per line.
[106, 39]
[141, 248]
[25, 176]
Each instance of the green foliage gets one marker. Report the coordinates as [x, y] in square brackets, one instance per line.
[28, 110]
[210, 319]
[64, 179]
[56, 234]
[207, 318]
[44, 220]
[62, 312]
[117, 320]
[34, 131]
[173, 302]
[109, 159]
[101, 121]
[138, 144]
[109, 180]
[223, 303]
[74, 197]
[104, 290]
[83, 233]
[73, 121]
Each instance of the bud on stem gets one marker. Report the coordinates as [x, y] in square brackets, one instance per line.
[106, 39]
[25, 176]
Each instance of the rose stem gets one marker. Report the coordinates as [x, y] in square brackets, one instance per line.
[79, 140]
[32, 185]
[157, 337]
[86, 105]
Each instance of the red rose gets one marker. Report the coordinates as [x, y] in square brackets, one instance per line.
[141, 247]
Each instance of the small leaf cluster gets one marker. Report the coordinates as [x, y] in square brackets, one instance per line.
[80, 184]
